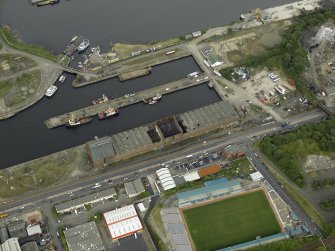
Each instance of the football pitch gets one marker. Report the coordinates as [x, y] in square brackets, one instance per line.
[231, 221]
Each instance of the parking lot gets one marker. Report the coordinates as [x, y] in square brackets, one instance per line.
[198, 161]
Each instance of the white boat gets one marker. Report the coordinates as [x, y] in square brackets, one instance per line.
[74, 39]
[84, 45]
[152, 102]
[62, 78]
[50, 91]
[157, 97]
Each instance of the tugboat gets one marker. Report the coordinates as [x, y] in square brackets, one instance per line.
[74, 122]
[109, 113]
[84, 45]
[100, 100]
[50, 91]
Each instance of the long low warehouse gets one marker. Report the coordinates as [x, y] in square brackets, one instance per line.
[85, 200]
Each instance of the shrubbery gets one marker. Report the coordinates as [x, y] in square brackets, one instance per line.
[322, 133]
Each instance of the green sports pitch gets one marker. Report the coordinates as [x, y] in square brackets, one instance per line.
[231, 221]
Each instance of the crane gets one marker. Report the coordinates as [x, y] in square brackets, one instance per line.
[258, 15]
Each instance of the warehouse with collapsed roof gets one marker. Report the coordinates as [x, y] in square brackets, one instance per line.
[106, 150]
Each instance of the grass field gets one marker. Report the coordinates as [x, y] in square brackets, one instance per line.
[231, 221]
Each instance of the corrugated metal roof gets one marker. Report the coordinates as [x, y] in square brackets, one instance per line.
[258, 242]
[209, 170]
[208, 189]
[101, 148]
[85, 199]
[217, 181]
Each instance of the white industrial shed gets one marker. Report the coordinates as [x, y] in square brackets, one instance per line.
[165, 179]
[191, 176]
[256, 176]
[123, 222]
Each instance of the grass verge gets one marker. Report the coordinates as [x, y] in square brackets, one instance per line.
[8, 36]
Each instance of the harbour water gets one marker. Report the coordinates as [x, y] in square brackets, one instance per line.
[132, 21]
[25, 137]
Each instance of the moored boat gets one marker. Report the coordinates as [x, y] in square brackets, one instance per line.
[152, 102]
[101, 100]
[62, 78]
[157, 97]
[74, 38]
[51, 91]
[109, 113]
[84, 45]
[74, 122]
[210, 85]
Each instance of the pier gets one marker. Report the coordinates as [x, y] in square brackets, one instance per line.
[135, 64]
[73, 47]
[134, 74]
[126, 100]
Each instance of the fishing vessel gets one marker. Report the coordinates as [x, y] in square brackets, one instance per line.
[50, 91]
[101, 100]
[62, 78]
[74, 122]
[109, 113]
[84, 45]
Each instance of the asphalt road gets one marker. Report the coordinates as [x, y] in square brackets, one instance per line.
[282, 192]
[119, 174]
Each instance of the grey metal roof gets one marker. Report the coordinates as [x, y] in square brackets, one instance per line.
[84, 237]
[30, 246]
[130, 140]
[134, 187]
[208, 115]
[105, 194]
[101, 148]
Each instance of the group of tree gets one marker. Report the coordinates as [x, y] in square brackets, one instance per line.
[322, 183]
[322, 133]
[289, 56]
[327, 204]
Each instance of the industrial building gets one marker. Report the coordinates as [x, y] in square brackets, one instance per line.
[34, 229]
[104, 151]
[165, 178]
[134, 188]
[3, 235]
[123, 222]
[191, 176]
[11, 244]
[256, 176]
[30, 246]
[85, 200]
[17, 228]
[84, 237]
[209, 170]
[211, 190]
